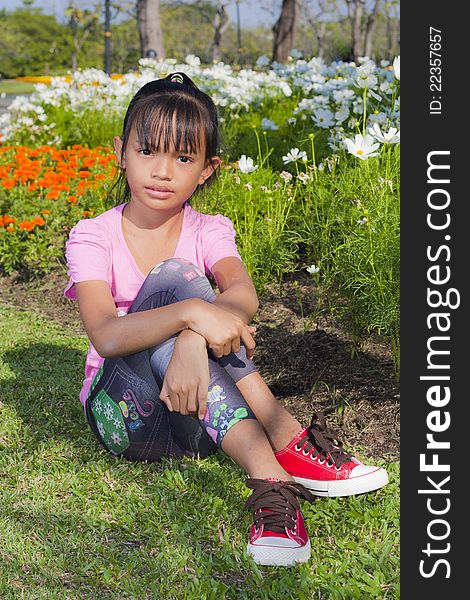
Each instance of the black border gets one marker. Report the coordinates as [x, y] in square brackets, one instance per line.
[421, 133]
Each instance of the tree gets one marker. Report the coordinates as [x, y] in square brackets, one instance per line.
[317, 15]
[149, 27]
[83, 23]
[219, 19]
[285, 29]
[362, 26]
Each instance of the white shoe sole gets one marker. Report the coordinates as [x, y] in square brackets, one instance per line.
[277, 556]
[346, 487]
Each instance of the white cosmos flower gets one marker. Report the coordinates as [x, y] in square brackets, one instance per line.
[391, 137]
[294, 155]
[342, 114]
[268, 124]
[362, 147]
[263, 61]
[323, 118]
[313, 269]
[245, 164]
[365, 77]
[396, 67]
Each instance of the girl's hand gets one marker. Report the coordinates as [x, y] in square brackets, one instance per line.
[222, 330]
[186, 381]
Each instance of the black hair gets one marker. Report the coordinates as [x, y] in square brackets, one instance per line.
[170, 113]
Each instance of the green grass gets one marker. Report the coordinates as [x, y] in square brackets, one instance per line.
[76, 522]
[12, 87]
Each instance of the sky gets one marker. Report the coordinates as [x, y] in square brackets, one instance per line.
[251, 13]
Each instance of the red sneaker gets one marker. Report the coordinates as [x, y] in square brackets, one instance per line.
[316, 459]
[278, 535]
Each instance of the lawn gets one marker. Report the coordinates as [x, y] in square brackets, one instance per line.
[12, 87]
[78, 522]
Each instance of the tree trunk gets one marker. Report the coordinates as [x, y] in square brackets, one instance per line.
[356, 12]
[149, 26]
[370, 25]
[285, 29]
[220, 23]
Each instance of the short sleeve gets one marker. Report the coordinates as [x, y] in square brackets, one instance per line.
[218, 240]
[87, 253]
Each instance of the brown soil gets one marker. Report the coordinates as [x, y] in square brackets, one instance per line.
[310, 364]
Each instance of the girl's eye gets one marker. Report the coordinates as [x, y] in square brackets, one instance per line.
[145, 151]
[184, 159]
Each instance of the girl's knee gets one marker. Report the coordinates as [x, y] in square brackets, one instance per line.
[185, 277]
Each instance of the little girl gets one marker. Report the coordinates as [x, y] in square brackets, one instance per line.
[169, 371]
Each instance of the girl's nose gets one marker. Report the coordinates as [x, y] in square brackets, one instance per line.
[161, 167]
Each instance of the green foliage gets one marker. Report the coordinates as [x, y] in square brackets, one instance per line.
[78, 522]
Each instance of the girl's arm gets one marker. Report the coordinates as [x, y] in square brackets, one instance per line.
[119, 336]
[237, 292]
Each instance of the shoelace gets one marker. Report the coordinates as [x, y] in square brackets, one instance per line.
[323, 442]
[277, 503]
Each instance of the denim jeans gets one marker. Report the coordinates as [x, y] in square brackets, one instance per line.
[123, 406]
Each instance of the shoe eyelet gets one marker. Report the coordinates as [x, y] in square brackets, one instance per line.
[297, 448]
[329, 464]
[337, 468]
[305, 453]
[321, 462]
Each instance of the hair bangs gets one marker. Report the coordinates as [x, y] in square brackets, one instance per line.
[172, 126]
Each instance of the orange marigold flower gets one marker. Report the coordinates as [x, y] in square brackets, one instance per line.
[87, 213]
[84, 174]
[7, 219]
[32, 187]
[38, 221]
[72, 199]
[53, 195]
[8, 183]
[10, 228]
[26, 225]
[45, 212]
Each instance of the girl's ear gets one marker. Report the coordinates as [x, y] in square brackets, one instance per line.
[118, 151]
[212, 165]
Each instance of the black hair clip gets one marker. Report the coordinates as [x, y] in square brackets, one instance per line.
[177, 78]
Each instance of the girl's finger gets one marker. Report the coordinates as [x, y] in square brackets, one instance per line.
[235, 345]
[202, 400]
[165, 398]
[191, 405]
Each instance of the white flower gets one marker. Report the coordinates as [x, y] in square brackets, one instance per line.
[362, 221]
[263, 61]
[313, 269]
[391, 137]
[192, 60]
[268, 124]
[248, 186]
[246, 164]
[304, 177]
[323, 118]
[365, 77]
[396, 67]
[294, 155]
[296, 53]
[362, 147]
[286, 176]
[342, 114]
[291, 121]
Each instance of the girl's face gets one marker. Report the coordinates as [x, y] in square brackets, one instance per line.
[162, 180]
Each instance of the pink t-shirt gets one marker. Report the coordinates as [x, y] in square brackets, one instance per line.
[96, 249]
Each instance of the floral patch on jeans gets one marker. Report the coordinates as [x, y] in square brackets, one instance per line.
[220, 416]
[110, 422]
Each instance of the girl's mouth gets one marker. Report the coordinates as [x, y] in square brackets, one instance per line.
[158, 192]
